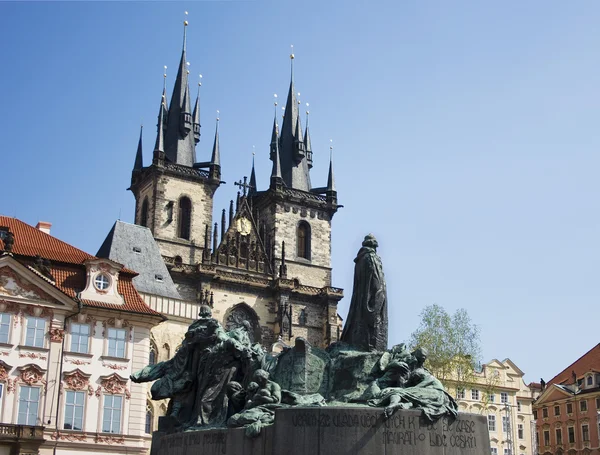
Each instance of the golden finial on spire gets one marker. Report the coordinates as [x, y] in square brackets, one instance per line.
[253, 152]
[200, 80]
[275, 97]
[185, 22]
[307, 112]
[217, 115]
[292, 54]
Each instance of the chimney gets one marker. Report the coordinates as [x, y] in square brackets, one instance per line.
[44, 226]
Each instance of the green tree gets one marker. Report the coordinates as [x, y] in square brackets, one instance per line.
[453, 344]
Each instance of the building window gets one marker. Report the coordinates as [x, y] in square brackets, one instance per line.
[144, 214]
[80, 338]
[474, 394]
[4, 327]
[111, 418]
[303, 240]
[29, 401]
[545, 413]
[503, 397]
[74, 405]
[149, 419]
[597, 403]
[521, 431]
[571, 435]
[585, 432]
[546, 437]
[494, 450]
[491, 398]
[535, 414]
[583, 405]
[460, 393]
[505, 424]
[558, 436]
[556, 410]
[184, 219]
[152, 356]
[36, 330]
[116, 342]
[492, 423]
[102, 282]
[506, 451]
[590, 380]
[569, 408]
[519, 406]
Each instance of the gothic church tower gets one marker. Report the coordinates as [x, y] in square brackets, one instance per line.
[267, 259]
[174, 195]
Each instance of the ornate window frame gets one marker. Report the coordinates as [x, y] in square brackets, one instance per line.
[112, 385]
[117, 324]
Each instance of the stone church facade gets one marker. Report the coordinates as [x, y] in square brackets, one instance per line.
[266, 261]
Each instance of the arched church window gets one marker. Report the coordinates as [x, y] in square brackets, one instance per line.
[144, 214]
[149, 419]
[184, 219]
[178, 261]
[303, 240]
[167, 349]
[152, 356]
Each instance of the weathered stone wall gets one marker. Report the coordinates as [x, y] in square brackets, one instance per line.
[171, 190]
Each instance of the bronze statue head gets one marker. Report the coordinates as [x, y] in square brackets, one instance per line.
[370, 241]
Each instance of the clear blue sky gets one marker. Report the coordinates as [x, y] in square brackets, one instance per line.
[466, 139]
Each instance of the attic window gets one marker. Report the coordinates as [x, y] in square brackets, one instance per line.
[158, 277]
[3, 232]
[137, 249]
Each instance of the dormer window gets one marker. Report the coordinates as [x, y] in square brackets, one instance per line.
[102, 282]
[158, 277]
[590, 380]
[137, 249]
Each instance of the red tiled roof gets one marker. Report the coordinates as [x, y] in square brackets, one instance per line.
[587, 362]
[70, 275]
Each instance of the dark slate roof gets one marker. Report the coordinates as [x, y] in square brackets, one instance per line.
[121, 245]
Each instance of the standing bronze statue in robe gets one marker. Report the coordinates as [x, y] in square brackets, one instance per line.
[367, 324]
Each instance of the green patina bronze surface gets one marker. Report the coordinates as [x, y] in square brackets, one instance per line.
[219, 378]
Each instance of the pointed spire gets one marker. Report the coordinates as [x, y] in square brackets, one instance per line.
[330, 180]
[292, 154]
[252, 189]
[139, 163]
[216, 154]
[159, 146]
[275, 132]
[215, 160]
[163, 99]
[230, 213]
[196, 114]
[179, 144]
[276, 180]
[215, 238]
[223, 228]
[307, 144]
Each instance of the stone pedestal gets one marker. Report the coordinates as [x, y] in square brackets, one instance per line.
[338, 430]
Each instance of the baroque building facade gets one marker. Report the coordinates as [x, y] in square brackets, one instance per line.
[264, 262]
[499, 392]
[567, 412]
[72, 330]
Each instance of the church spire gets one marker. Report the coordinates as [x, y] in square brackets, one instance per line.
[274, 133]
[307, 145]
[215, 160]
[294, 166]
[139, 160]
[276, 180]
[196, 114]
[179, 143]
[252, 189]
[330, 179]
[159, 146]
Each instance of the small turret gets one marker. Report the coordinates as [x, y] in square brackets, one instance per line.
[331, 193]
[215, 160]
[307, 144]
[252, 188]
[196, 115]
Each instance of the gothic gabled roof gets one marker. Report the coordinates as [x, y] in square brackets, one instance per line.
[139, 160]
[256, 246]
[134, 246]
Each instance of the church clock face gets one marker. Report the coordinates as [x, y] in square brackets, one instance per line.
[243, 225]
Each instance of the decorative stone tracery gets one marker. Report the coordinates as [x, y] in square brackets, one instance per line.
[4, 370]
[32, 374]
